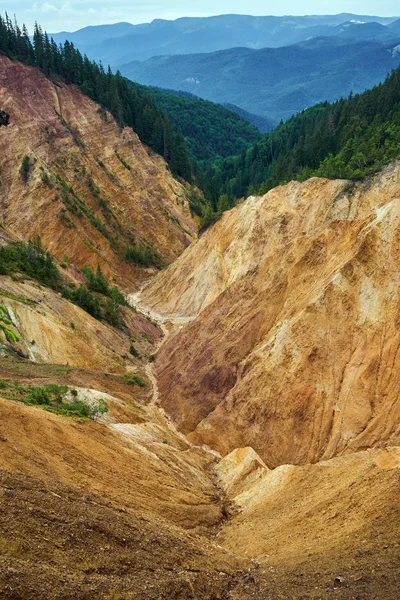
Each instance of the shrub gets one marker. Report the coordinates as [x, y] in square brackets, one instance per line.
[25, 167]
[45, 179]
[133, 351]
[85, 299]
[143, 254]
[31, 260]
[123, 162]
[136, 380]
[112, 313]
[4, 321]
[53, 398]
[4, 118]
[96, 282]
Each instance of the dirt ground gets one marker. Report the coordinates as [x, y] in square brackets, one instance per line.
[59, 543]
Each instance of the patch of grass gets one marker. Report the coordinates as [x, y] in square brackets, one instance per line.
[25, 368]
[6, 294]
[4, 321]
[58, 399]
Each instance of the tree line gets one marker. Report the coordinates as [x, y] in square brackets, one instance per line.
[129, 106]
[347, 139]
[350, 138]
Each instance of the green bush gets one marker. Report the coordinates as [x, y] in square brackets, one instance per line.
[54, 398]
[136, 380]
[30, 259]
[25, 167]
[4, 321]
[123, 162]
[143, 254]
[82, 297]
[4, 118]
[112, 313]
[133, 351]
[45, 179]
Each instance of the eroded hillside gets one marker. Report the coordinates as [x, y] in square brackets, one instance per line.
[294, 351]
[87, 188]
[273, 339]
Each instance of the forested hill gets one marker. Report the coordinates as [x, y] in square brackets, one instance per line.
[350, 138]
[211, 131]
[129, 106]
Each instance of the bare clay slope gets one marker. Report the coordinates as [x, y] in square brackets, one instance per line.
[295, 350]
[80, 196]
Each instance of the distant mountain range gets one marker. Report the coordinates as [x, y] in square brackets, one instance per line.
[269, 67]
[273, 82]
[123, 42]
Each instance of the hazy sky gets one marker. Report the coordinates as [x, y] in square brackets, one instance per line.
[61, 15]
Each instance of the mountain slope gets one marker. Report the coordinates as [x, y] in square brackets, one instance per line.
[395, 26]
[275, 83]
[120, 43]
[211, 131]
[294, 351]
[96, 189]
[350, 138]
[367, 31]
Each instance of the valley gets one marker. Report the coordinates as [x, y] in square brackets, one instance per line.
[133, 505]
[194, 408]
[275, 83]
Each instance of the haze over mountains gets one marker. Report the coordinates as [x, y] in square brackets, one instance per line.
[273, 82]
[123, 42]
[269, 66]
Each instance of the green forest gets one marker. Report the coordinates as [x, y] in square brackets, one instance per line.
[347, 139]
[211, 131]
[350, 138]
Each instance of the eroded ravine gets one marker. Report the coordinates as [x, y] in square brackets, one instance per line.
[169, 326]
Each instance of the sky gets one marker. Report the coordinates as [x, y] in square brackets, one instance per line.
[64, 15]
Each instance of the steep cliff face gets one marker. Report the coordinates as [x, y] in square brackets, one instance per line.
[295, 350]
[87, 188]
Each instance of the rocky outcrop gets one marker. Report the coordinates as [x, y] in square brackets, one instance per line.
[295, 348]
[239, 474]
[89, 189]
